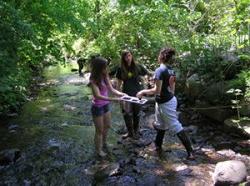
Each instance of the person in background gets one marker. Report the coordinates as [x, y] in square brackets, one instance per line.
[166, 102]
[101, 85]
[81, 62]
[129, 76]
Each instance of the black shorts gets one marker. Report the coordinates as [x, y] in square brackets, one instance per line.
[98, 111]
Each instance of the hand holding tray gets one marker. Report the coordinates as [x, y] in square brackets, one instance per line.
[133, 99]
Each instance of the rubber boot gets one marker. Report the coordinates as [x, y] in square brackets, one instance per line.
[136, 120]
[129, 124]
[159, 138]
[186, 142]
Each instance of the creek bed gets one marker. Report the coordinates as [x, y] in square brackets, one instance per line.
[51, 143]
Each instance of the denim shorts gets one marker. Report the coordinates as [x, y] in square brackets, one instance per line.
[98, 111]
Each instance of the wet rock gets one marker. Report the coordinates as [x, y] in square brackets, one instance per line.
[150, 180]
[136, 169]
[191, 129]
[244, 144]
[107, 171]
[143, 142]
[208, 149]
[230, 56]
[225, 145]
[69, 108]
[65, 124]
[245, 110]
[183, 170]
[9, 156]
[193, 87]
[57, 164]
[199, 139]
[215, 92]
[228, 153]
[79, 113]
[126, 181]
[123, 162]
[121, 181]
[229, 172]
[216, 114]
[12, 131]
[194, 117]
[27, 182]
[54, 144]
[113, 169]
[233, 127]
[12, 115]
[184, 118]
[13, 127]
[117, 152]
[132, 160]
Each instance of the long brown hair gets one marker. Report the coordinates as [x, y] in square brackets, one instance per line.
[166, 55]
[124, 66]
[98, 64]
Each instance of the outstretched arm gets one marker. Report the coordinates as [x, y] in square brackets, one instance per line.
[119, 84]
[114, 91]
[96, 93]
[155, 90]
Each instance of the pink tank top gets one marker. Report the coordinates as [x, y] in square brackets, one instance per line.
[104, 92]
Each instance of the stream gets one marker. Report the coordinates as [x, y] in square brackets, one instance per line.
[50, 142]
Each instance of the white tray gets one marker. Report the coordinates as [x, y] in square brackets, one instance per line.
[133, 99]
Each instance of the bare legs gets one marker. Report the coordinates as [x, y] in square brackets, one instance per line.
[107, 124]
[102, 124]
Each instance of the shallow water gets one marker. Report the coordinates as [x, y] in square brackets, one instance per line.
[52, 141]
[54, 132]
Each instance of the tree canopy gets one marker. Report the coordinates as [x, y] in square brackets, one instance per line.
[35, 33]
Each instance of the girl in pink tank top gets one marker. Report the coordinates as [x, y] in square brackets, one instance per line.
[104, 92]
[101, 86]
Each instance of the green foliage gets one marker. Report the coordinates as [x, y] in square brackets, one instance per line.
[236, 103]
[35, 33]
[32, 33]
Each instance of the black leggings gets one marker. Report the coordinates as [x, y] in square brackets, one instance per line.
[132, 118]
[159, 137]
[181, 135]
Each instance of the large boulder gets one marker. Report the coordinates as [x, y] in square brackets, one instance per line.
[216, 92]
[245, 110]
[9, 156]
[242, 129]
[214, 112]
[229, 173]
[193, 87]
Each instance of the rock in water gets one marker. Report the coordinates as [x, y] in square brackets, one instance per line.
[9, 156]
[229, 172]
[13, 127]
[106, 171]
